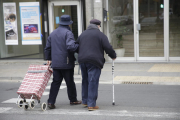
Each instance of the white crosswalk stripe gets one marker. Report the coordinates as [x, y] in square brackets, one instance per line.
[4, 109]
[14, 100]
[121, 113]
[48, 87]
[46, 93]
[61, 87]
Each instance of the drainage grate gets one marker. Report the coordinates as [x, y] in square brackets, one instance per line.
[137, 82]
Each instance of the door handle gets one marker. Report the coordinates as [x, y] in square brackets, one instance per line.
[52, 5]
[138, 26]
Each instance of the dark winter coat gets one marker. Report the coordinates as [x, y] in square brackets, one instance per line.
[92, 44]
[60, 48]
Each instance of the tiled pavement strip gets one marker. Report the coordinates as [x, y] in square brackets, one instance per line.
[158, 73]
[160, 68]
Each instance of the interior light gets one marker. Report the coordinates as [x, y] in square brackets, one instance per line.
[162, 6]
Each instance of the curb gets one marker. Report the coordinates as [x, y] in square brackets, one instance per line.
[11, 78]
[21, 78]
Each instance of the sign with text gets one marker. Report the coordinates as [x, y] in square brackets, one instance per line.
[10, 24]
[30, 23]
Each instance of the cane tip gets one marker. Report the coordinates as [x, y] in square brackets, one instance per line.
[113, 103]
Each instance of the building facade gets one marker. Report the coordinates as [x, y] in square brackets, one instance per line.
[138, 30]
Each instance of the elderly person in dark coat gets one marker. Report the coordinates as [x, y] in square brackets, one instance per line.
[92, 44]
[60, 48]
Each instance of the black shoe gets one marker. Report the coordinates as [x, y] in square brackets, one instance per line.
[51, 106]
[75, 103]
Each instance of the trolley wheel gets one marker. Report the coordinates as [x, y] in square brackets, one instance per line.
[32, 104]
[25, 107]
[20, 103]
[44, 106]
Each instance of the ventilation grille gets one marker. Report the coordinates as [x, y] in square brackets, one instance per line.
[129, 82]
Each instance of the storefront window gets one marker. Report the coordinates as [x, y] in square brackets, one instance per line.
[12, 29]
[174, 28]
[121, 27]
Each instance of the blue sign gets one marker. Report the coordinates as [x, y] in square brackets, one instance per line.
[57, 20]
[30, 23]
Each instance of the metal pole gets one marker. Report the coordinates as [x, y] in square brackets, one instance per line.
[92, 9]
[113, 82]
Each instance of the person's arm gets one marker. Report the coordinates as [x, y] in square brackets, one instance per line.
[78, 39]
[47, 50]
[70, 42]
[108, 48]
[77, 42]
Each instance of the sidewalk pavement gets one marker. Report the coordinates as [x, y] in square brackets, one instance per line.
[124, 73]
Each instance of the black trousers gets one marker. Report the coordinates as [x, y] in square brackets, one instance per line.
[58, 75]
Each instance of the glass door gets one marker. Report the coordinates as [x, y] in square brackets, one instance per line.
[174, 28]
[59, 8]
[72, 8]
[150, 30]
[66, 10]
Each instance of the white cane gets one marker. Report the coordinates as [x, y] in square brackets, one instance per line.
[113, 82]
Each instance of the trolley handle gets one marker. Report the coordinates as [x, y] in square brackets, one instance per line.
[50, 67]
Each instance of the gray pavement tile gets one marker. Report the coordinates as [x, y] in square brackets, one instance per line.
[16, 69]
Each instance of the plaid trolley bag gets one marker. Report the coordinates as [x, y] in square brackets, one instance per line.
[33, 86]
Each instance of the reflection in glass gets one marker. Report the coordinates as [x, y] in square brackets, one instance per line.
[66, 10]
[174, 28]
[151, 35]
[121, 27]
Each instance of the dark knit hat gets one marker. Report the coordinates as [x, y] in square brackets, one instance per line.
[65, 20]
[95, 21]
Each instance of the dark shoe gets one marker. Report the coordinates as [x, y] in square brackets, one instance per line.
[93, 108]
[51, 106]
[75, 103]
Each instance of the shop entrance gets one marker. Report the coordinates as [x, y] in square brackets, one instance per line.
[59, 8]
